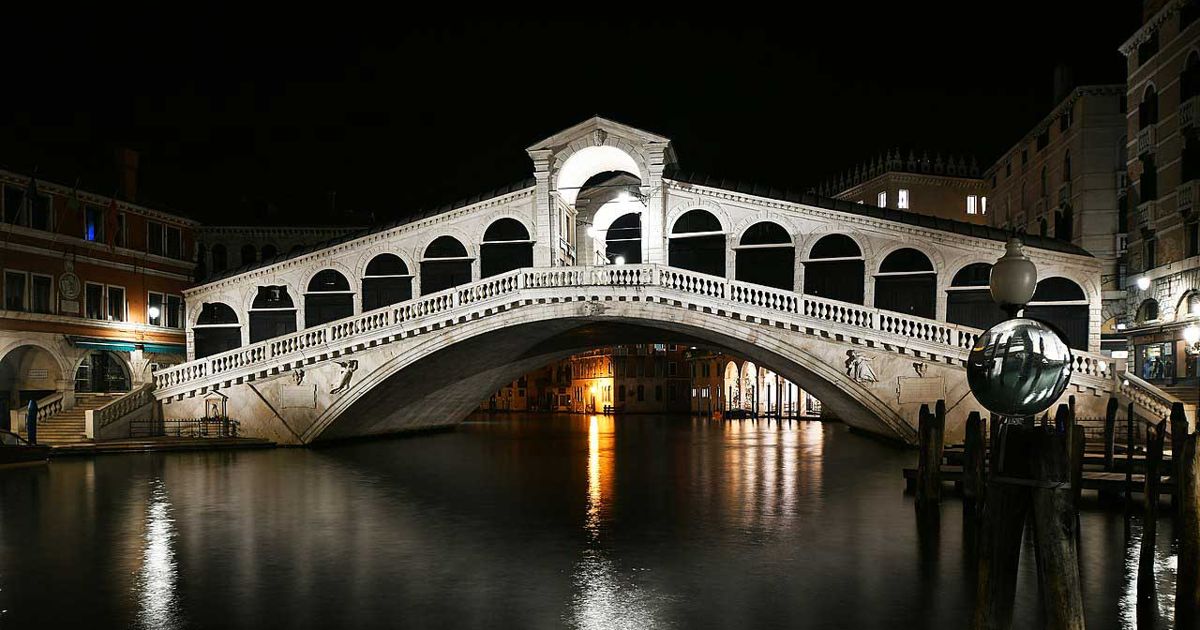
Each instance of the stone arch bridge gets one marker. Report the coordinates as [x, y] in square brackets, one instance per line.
[408, 326]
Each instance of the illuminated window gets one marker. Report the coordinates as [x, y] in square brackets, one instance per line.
[983, 205]
[902, 199]
[881, 199]
[971, 199]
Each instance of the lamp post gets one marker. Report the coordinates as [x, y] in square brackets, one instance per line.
[1013, 279]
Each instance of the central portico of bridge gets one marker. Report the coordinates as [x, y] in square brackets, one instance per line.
[409, 325]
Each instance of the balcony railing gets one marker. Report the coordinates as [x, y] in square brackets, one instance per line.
[1185, 196]
[1145, 214]
[1146, 140]
[1188, 112]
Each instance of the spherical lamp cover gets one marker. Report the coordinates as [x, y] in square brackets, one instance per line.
[1014, 276]
[1019, 367]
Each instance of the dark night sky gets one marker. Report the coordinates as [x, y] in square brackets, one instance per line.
[399, 114]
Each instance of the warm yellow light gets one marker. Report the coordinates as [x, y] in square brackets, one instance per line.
[1191, 334]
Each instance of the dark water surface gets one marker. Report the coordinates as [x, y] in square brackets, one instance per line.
[517, 522]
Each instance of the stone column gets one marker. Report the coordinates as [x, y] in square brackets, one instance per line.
[653, 231]
[544, 219]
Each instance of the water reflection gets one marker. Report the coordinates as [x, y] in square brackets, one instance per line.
[155, 587]
[1166, 562]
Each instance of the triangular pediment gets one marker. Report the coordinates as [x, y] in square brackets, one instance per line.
[633, 135]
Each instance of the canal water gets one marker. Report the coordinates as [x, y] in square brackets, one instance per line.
[517, 522]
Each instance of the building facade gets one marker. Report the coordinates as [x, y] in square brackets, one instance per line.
[1063, 181]
[946, 188]
[222, 248]
[726, 386]
[1162, 309]
[93, 292]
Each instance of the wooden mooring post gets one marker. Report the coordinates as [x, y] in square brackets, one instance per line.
[1030, 481]
[1187, 579]
[1147, 602]
[1179, 433]
[1129, 460]
[931, 430]
[1110, 433]
[973, 464]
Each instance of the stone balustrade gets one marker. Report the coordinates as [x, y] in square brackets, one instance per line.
[747, 301]
[101, 418]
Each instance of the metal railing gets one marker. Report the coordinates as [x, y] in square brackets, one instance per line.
[184, 427]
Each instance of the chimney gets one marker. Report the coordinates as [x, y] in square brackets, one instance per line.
[1064, 81]
[127, 173]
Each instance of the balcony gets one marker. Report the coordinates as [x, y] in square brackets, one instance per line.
[1188, 112]
[1145, 214]
[1185, 196]
[1146, 140]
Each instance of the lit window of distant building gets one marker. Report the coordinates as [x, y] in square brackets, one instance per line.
[971, 200]
[902, 199]
[881, 199]
[983, 205]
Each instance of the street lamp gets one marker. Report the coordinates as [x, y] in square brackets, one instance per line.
[1013, 279]
[1143, 283]
[153, 312]
[619, 260]
[1191, 335]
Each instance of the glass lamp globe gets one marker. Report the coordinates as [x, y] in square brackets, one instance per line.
[1019, 367]
[1014, 277]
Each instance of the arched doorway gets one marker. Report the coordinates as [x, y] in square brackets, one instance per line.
[765, 255]
[732, 386]
[602, 201]
[1063, 305]
[697, 243]
[27, 373]
[101, 372]
[506, 246]
[749, 386]
[969, 298]
[385, 281]
[216, 330]
[328, 298]
[446, 264]
[272, 314]
[907, 283]
[834, 269]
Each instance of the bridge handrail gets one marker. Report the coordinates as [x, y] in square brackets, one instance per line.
[121, 406]
[953, 338]
[1148, 395]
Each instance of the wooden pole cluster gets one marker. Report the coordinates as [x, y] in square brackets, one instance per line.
[1187, 488]
[931, 430]
[1179, 433]
[973, 466]
[1030, 482]
[1147, 605]
[1110, 433]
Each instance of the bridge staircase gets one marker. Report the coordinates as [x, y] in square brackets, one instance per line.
[59, 426]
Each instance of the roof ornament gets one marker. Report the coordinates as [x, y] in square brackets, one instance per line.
[599, 136]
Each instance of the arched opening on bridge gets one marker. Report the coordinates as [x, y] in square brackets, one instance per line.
[506, 246]
[27, 373]
[385, 281]
[623, 240]
[768, 388]
[907, 283]
[697, 243]
[328, 298]
[834, 269]
[969, 298]
[766, 256]
[1063, 305]
[272, 314]
[603, 200]
[446, 264]
[101, 372]
[216, 330]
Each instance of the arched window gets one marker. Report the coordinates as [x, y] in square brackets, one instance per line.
[272, 314]
[765, 255]
[217, 329]
[1147, 311]
[269, 251]
[697, 243]
[907, 283]
[969, 298]
[1148, 109]
[1189, 305]
[385, 281]
[1066, 169]
[248, 254]
[1189, 79]
[623, 240]
[1064, 223]
[506, 246]
[220, 259]
[1063, 305]
[446, 264]
[835, 269]
[1045, 183]
[328, 298]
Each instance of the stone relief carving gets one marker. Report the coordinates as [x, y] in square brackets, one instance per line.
[858, 367]
[348, 368]
[919, 367]
[299, 376]
[599, 136]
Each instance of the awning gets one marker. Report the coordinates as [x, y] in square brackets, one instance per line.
[117, 345]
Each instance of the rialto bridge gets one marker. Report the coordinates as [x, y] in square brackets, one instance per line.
[410, 325]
